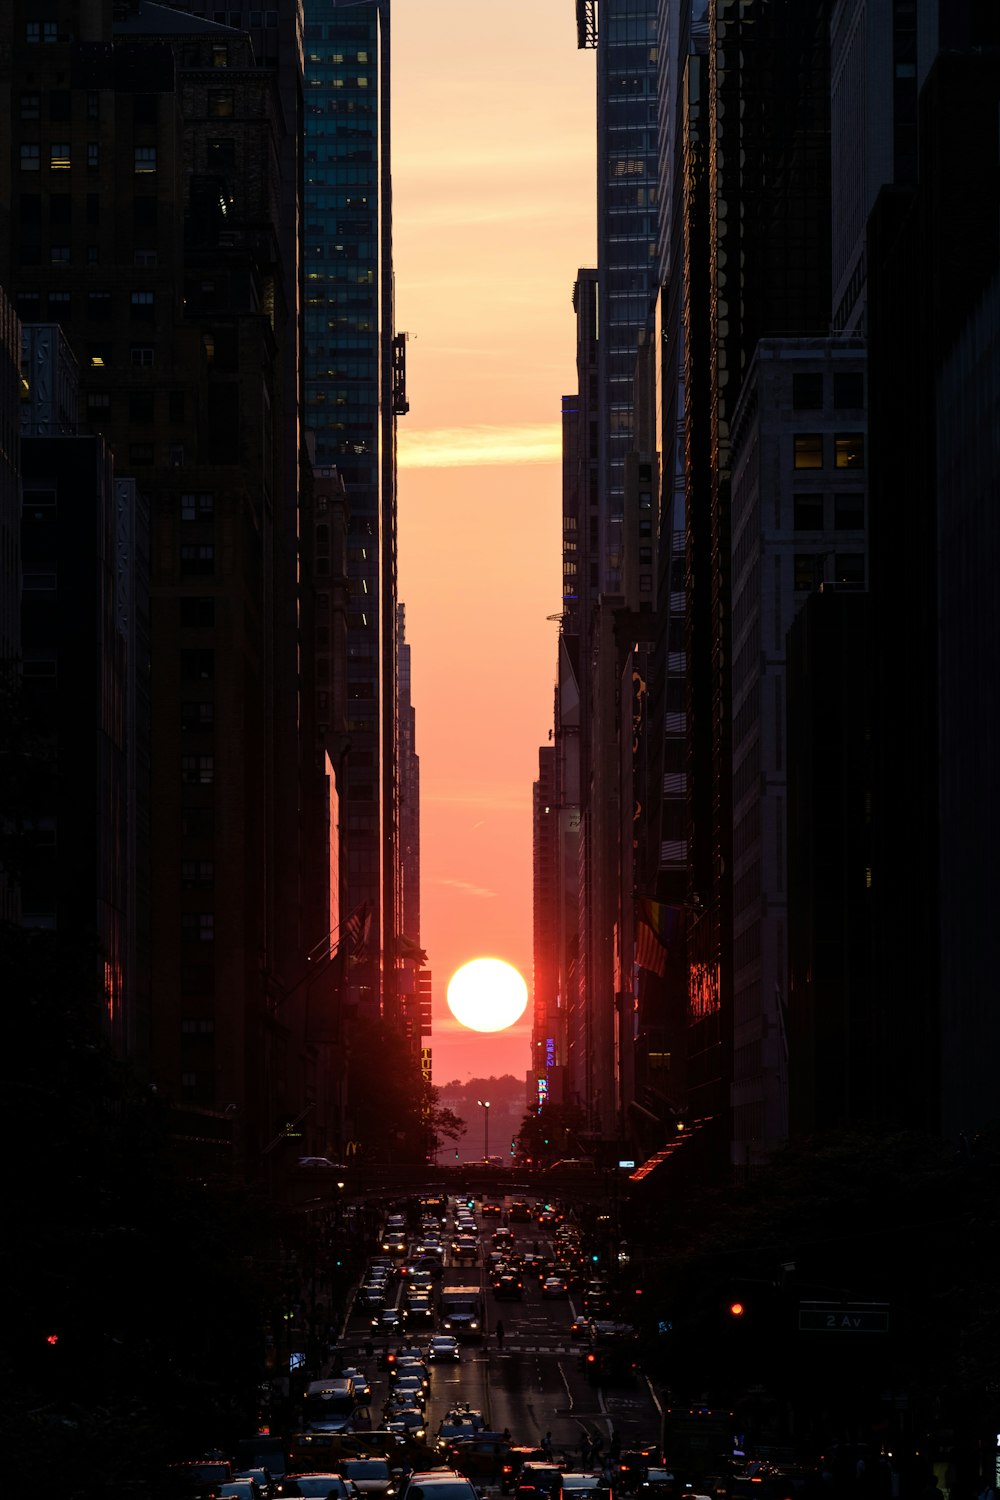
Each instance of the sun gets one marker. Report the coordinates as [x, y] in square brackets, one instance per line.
[487, 994]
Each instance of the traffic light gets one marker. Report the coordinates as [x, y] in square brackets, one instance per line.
[736, 1308]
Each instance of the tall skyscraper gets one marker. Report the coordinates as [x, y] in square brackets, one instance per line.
[350, 405]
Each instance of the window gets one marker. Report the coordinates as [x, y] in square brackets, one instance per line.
[197, 715]
[28, 304]
[140, 406]
[220, 55]
[645, 583]
[142, 304]
[221, 154]
[145, 159]
[197, 613]
[99, 356]
[31, 157]
[60, 306]
[807, 512]
[849, 448]
[849, 512]
[59, 156]
[220, 104]
[807, 392]
[143, 355]
[808, 571]
[31, 106]
[199, 506]
[198, 926]
[99, 306]
[197, 559]
[144, 212]
[140, 455]
[197, 666]
[197, 770]
[849, 389]
[144, 258]
[31, 208]
[93, 255]
[98, 406]
[33, 32]
[192, 1027]
[93, 105]
[50, 31]
[59, 255]
[849, 568]
[808, 450]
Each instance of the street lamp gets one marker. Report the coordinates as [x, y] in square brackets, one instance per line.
[484, 1104]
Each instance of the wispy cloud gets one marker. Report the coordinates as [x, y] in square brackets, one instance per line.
[463, 887]
[476, 446]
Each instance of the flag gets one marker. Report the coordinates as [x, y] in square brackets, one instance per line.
[357, 930]
[665, 920]
[407, 948]
[649, 951]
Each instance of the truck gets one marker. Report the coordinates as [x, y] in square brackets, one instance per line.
[697, 1441]
[460, 1311]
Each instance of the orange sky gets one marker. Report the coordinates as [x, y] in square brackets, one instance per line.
[493, 214]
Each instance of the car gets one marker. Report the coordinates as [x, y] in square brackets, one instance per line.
[362, 1386]
[372, 1296]
[408, 1419]
[240, 1489]
[389, 1320]
[444, 1349]
[491, 1208]
[200, 1476]
[419, 1309]
[580, 1486]
[371, 1476]
[317, 1484]
[520, 1211]
[465, 1247]
[413, 1366]
[658, 1483]
[539, 1479]
[508, 1286]
[451, 1428]
[262, 1478]
[479, 1457]
[554, 1286]
[410, 1390]
[438, 1484]
[394, 1244]
[514, 1460]
[463, 1412]
[579, 1328]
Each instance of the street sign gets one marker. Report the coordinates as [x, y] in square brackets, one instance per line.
[838, 1317]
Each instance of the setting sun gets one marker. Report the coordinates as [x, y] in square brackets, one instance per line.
[487, 994]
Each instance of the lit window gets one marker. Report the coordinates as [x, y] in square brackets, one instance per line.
[220, 55]
[808, 450]
[197, 770]
[849, 448]
[221, 103]
[59, 156]
[59, 255]
[30, 158]
[145, 159]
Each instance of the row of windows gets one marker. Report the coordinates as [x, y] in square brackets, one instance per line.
[809, 570]
[848, 450]
[848, 390]
[809, 511]
[60, 157]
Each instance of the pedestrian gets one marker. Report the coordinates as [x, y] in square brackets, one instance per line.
[500, 1333]
[547, 1444]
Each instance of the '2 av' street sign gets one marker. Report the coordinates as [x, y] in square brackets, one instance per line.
[838, 1318]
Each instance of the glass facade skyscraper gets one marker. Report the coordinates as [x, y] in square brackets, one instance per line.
[627, 171]
[348, 407]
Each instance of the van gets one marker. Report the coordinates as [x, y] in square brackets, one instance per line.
[329, 1405]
